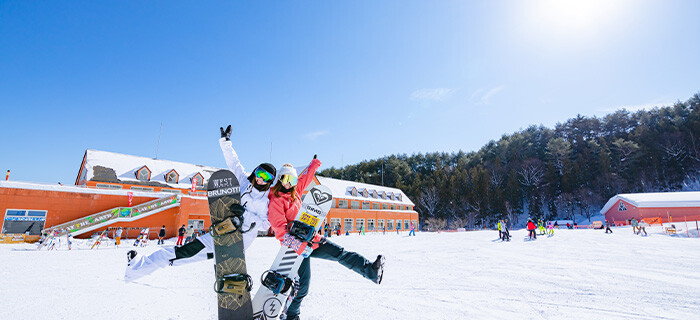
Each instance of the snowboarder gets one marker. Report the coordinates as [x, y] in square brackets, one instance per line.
[607, 227]
[161, 235]
[180, 235]
[254, 186]
[413, 230]
[285, 201]
[531, 228]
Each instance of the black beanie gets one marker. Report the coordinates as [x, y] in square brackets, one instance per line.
[265, 166]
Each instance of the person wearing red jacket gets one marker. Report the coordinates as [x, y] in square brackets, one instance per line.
[531, 228]
[285, 201]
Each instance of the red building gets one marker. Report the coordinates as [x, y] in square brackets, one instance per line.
[668, 206]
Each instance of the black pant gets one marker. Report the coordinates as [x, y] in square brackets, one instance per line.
[533, 234]
[328, 251]
[608, 229]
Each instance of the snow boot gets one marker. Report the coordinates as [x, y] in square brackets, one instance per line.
[378, 267]
[130, 255]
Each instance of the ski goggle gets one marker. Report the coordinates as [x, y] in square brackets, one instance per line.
[288, 178]
[262, 174]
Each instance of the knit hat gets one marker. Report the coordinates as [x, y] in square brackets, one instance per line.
[287, 169]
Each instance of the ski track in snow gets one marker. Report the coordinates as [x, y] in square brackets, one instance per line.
[576, 274]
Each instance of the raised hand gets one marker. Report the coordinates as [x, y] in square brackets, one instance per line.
[226, 133]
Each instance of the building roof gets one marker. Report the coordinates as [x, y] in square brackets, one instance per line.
[342, 189]
[104, 166]
[656, 200]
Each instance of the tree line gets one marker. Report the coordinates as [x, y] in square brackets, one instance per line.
[561, 173]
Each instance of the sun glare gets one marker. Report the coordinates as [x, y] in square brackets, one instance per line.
[570, 19]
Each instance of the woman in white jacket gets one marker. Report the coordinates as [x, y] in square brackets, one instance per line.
[254, 199]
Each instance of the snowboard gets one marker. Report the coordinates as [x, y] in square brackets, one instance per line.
[232, 281]
[277, 283]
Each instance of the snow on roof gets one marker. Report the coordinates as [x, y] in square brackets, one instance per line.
[341, 189]
[656, 200]
[125, 167]
[79, 189]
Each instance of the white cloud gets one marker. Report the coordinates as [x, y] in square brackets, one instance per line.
[435, 94]
[314, 135]
[483, 96]
[645, 106]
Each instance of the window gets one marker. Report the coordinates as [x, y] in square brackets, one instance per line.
[398, 224]
[170, 191]
[142, 189]
[622, 207]
[360, 223]
[370, 224]
[390, 224]
[365, 205]
[172, 177]
[373, 193]
[20, 221]
[354, 204]
[343, 204]
[376, 206]
[348, 224]
[380, 225]
[393, 207]
[398, 197]
[406, 224]
[143, 174]
[200, 179]
[335, 222]
[107, 186]
[383, 195]
[390, 195]
[385, 206]
[415, 223]
[365, 193]
[196, 224]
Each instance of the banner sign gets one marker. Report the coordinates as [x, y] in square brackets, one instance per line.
[130, 195]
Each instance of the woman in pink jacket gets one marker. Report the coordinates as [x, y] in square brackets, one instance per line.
[285, 201]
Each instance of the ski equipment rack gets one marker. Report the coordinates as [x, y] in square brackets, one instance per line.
[301, 231]
[233, 283]
[276, 282]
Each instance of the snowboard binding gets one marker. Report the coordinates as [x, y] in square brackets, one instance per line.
[228, 225]
[301, 231]
[276, 282]
[233, 283]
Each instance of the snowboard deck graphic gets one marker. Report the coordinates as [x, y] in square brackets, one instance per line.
[313, 210]
[234, 302]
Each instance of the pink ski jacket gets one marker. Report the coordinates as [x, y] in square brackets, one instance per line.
[283, 209]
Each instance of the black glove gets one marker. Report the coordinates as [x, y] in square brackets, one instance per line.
[226, 133]
[237, 209]
[314, 156]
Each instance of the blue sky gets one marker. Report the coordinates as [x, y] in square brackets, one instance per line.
[347, 80]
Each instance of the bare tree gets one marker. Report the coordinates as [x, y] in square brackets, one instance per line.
[436, 223]
[531, 175]
[429, 200]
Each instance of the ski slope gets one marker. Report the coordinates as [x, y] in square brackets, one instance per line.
[576, 274]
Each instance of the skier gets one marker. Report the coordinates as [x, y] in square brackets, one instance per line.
[413, 230]
[540, 226]
[607, 227]
[531, 228]
[504, 230]
[180, 235]
[161, 235]
[642, 227]
[550, 228]
[254, 199]
[635, 225]
[118, 236]
[285, 201]
[68, 238]
[499, 226]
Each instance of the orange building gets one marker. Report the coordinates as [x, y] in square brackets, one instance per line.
[118, 190]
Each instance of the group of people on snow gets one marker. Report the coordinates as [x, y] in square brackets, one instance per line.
[270, 199]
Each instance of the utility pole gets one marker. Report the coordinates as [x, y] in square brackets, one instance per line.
[158, 145]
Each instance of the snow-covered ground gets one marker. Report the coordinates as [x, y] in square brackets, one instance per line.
[576, 274]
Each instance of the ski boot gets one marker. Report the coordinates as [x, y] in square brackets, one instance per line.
[130, 256]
